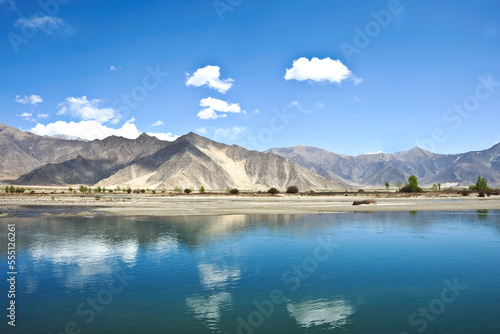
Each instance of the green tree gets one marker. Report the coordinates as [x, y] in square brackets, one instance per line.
[292, 190]
[439, 186]
[202, 189]
[7, 189]
[387, 185]
[118, 189]
[435, 187]
[70, 189]
[12, 189]
[412, 180]
[481, 184]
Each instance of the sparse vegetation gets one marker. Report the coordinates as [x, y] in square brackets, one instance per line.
[481, 185]
[178, 189]
[465, 192]
[292, 190]
[273, 191]
[411, 186]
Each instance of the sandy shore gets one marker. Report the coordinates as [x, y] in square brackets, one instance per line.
[161, 205]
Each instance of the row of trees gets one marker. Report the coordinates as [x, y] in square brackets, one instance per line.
[412, 185]
[13, 189]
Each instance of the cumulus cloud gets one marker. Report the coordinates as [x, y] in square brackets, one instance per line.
[209, 76]
[92, 129]
[48, 24]
[32, 99]
[88, 110]
[320, 70]
[211, 106]
[157, 123]
[231, 133]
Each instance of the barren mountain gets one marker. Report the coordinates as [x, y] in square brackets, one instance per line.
[376, 169]
[190, 161]
[193, 161]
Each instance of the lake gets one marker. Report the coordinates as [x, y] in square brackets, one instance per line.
[381, 272]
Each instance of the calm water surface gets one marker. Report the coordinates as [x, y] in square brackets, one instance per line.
[401, 272]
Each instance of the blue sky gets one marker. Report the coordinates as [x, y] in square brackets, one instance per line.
[351, 77]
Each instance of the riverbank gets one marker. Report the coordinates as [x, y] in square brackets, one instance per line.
[167, 205]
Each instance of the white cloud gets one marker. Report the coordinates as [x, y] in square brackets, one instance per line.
[27, 117]
[209, 76]
[212, 106]
[131, 120]
[42, 115]
[115, 68]
[320, 70]
[157, 123]
[88, 110]
[163, 136]
[203, 130]
[90, 130]
[47, 24]
[231, 133]
[32, 99]
[26, 114]
[256, 111]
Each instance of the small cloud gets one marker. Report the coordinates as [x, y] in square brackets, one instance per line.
[256, 111]
[32, 99]
[320, 105]
[131, 120]
[87, 110]
[209, 76]
[203, 130]
[27, 117]
[157, 123]
[320, 70]
[231, 133]
[211, 106]
[42, 115]
[48, 24]
[115, 68]
[294, 104]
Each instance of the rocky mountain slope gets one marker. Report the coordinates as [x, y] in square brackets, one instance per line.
[190, 161]
[374, 170]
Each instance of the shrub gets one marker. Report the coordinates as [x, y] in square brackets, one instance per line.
[110, 191]
[481, 193]
[7, 189]
[465, 192]
[273, 191]
[70, 189]
[292, 190]
[234, 191]
[129, 190]
[202, 189]
[187, 190]
[142, 191]
[408, 189]
[12, 189]
[361, 190]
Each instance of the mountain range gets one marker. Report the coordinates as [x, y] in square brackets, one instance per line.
[374, 170]
[193, 161]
